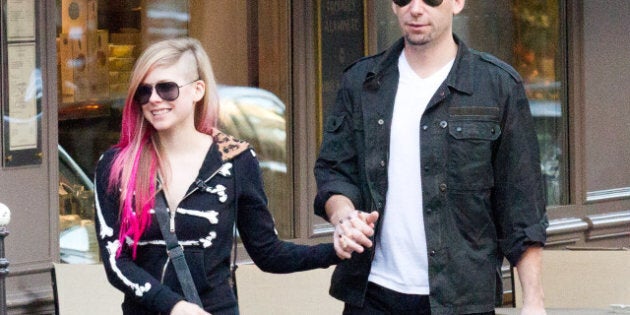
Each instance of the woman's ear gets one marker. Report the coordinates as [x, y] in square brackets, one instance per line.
[200, 90]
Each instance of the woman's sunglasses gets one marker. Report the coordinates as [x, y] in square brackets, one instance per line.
[433, 3]
[168, 91]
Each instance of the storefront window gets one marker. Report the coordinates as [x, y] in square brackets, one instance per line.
[98, 42]
[527, 35]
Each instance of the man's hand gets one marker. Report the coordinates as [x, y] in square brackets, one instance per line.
[353, 233]
[353, 228]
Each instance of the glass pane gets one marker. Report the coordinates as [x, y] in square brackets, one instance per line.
[525, 34]
[541, 59]
[258, 116]
[98, 42]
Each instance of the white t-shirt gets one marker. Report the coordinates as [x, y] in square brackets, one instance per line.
[400, 262]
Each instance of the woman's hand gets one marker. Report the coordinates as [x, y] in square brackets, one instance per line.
[353, 232]
[187, 308]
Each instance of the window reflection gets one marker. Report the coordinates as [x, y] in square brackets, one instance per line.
[538, 57]
[259, 116]
[98, 42]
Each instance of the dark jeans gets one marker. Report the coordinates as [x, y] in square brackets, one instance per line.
[383, 301]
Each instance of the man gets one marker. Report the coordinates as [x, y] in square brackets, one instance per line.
[435, 144]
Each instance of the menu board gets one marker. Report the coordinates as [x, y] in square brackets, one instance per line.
[341, 41]
[22, 83]
[20, 20]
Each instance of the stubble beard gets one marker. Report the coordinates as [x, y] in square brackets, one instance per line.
[418, 41]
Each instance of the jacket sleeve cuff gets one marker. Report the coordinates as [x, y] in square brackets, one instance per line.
[164, 300]
[331, 255]
[515, 247]
[338, 188]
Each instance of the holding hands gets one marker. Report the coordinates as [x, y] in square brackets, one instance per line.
[353, 228]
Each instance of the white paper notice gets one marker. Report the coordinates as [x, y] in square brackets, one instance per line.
[23, 93]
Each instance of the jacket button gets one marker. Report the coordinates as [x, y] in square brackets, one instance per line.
[429, 210]
[459, 129]
[443, 187]
[382, 163]
[381, 122]
[425, 127]
[432, 253]
[443, 124]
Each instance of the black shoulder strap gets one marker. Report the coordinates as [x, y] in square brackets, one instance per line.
[175, 252]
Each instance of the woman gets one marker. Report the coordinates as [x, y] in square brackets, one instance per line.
[170, 150]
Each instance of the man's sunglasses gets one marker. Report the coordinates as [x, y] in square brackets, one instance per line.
[433, 3]
[168, 91]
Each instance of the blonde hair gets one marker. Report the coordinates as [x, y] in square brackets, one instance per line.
[137, 163]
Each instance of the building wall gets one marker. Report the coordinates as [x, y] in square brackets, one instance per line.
[599, 142]
[599, 210]
[30, 192]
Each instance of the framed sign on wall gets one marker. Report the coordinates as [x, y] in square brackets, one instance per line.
[21, 85]
[341, 39]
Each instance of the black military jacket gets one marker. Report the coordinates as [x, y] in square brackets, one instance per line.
[481, 181]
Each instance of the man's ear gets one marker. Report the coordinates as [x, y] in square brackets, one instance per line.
[458, 6]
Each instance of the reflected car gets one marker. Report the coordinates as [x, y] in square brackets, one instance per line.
[77, 236]
[257, 116]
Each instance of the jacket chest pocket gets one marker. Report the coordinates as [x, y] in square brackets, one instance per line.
[470, 147]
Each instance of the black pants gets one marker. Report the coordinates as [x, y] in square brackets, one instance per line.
[383, 301]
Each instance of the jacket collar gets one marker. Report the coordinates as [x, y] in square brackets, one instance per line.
[224, 149]
[459, 78]
[388, 61]
[228, 146]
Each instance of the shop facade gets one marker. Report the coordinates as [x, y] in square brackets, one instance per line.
[66, 63]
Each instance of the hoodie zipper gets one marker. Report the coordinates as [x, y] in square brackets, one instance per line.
[172, 214]
[168, 259]
[172, 220]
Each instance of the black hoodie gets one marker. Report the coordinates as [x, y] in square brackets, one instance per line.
[230, 179]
